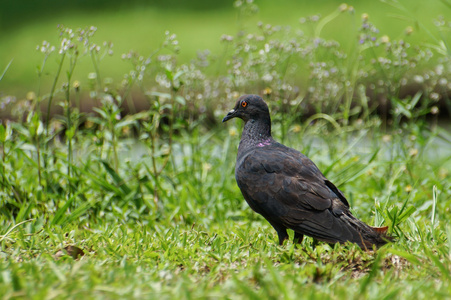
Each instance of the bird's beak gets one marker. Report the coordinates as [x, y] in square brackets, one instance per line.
[229, 116]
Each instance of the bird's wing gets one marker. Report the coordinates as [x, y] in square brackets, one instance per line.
[287, 188]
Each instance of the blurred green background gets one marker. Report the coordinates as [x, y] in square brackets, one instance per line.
[140, 25]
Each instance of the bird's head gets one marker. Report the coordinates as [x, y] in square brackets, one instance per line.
[249, 107]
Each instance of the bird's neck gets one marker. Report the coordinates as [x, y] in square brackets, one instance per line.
[256, 133]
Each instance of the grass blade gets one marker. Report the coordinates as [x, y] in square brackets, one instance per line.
[58, 217]
[116, 178]
[6, 69]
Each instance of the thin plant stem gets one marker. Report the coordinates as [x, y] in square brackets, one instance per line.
[38, 95]
[171, 126]
[38, 150]
[113, 140]
[3, 165]
[36, 109]
[52, 91]
[69, 122]
[96, 68]
[154, 163]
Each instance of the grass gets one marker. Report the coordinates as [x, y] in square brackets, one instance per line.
[193, 263]
[144, 204]
[203, 241]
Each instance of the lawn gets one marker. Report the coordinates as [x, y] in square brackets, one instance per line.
[121, 201]
[200, 240]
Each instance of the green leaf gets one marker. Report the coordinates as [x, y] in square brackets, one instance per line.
[101, 112]
[443, 269]
[24, 211]
[79, 211]
[6, 69]
[160, 95]
[124, 123]
[407, 213]
[169, 74]
[415, 99]
[401, 107]
[58, 217]
[178, 74]
[116, 178]
[2, 133]
[70, 133]
[354, 170]
[409, 256]
[100, 183]
[180, 100]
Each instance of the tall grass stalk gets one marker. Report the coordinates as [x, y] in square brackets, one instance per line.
[70, 131]
[434, 204]
[52, 94]
[3, 134]
[6, 69]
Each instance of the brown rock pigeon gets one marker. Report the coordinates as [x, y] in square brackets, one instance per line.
[288, 189]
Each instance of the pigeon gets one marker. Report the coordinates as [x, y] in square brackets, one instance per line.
[287, 188]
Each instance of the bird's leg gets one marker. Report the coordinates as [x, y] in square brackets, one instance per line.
[298, 237]
[283, 235]
[281, 232]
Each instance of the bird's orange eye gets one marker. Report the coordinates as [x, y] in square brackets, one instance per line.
[244, 104]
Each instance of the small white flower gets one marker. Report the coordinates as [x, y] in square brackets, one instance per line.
[443, 82]
[267, 77]
[434, 96]
[418, 79]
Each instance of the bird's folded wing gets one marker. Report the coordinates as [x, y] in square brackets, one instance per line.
[293, 180]
[291, 188]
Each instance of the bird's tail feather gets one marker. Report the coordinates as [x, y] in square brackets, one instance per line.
[381, 230]
[367, 236]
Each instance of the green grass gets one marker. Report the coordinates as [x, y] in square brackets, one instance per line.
[149, 195]
[204, 242]
[194, 262]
